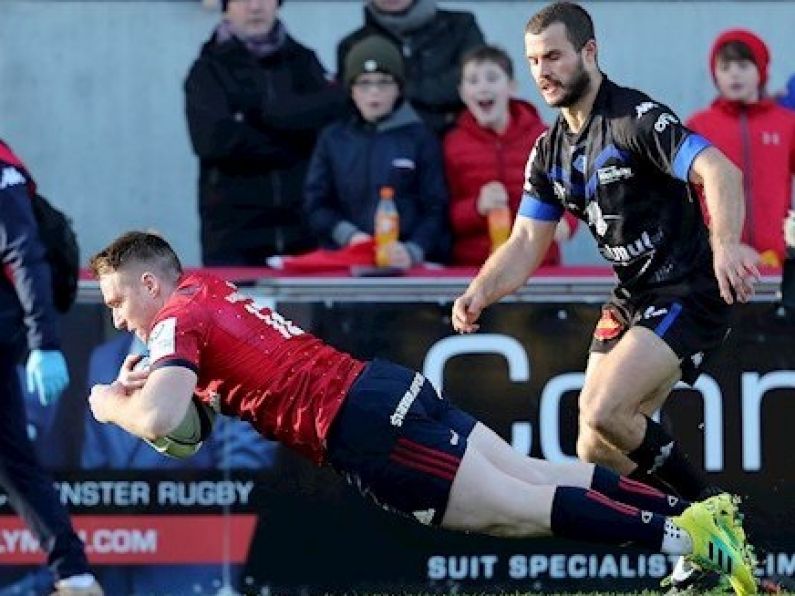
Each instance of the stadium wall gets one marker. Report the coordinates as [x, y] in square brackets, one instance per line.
[91, 90]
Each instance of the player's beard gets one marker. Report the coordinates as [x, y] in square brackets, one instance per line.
[575, 88]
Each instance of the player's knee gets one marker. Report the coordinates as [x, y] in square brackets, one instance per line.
[601, 417]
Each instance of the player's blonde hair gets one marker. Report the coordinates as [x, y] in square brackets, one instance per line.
[136, 247]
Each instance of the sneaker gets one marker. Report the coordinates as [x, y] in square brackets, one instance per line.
[78, 585]
[689, 579]
[718, 546]
[725, 508]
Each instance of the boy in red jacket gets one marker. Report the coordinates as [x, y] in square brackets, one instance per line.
[756, 134]
[486, 152]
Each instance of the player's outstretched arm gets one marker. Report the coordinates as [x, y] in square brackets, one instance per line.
[735, 264]
[504, 271]
[151, 412]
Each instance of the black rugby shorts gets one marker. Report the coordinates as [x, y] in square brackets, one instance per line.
[690, 317]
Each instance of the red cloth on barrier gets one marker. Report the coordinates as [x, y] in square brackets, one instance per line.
[422, 271]
[331, 260]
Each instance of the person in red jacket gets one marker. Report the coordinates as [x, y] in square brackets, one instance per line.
[756, 134]
[486, 152]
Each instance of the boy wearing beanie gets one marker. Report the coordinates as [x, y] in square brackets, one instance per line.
[432, 41]
[384, 143]
[756, 134]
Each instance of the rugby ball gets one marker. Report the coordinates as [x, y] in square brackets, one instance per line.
[187, 438]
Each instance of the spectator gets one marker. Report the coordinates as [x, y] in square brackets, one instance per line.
[383, 144]
[755, 133]
[485, 154]
[432, 42]
[255, 100]
[28, 323]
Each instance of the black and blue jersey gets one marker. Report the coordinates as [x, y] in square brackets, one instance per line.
[626, 175]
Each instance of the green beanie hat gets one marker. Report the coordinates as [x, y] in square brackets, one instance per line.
[374, 54]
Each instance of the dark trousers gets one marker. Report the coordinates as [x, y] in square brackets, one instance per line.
[29, 488]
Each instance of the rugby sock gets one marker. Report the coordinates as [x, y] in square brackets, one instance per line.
[641, 476]
[659, 455]
[631, 492]
[582, 514]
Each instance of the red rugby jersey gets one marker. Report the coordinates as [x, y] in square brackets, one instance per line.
[253, 363]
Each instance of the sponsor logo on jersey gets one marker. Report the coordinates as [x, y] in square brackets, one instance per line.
[596, 219]
[653, 313]
[162, 340]
[646, 516]
[613, 174]
[626, 253]
[396, 419]
[644, 107]
[608, 327]
[664, 120]
[11, 177]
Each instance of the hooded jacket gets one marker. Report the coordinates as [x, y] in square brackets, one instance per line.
[354, 159]
[473, 156]
[253, 124]
[432, 55]
[760, 139]
[26, 309]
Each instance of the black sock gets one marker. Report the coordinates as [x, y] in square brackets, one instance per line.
[632, 492]
[659, 454]
[582, 514]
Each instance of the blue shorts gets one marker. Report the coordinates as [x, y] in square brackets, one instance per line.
[399, 442]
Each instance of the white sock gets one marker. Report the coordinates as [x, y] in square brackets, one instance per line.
[81, 581]
[676, 541]
[683, 569]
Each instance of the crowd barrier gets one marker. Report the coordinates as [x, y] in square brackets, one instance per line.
[277, 523]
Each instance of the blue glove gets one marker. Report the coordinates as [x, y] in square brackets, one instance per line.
[46, 375]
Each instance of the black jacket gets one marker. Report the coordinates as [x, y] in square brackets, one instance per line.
[354, 159]
[433, 56]
[253, 124]
[27, 316]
